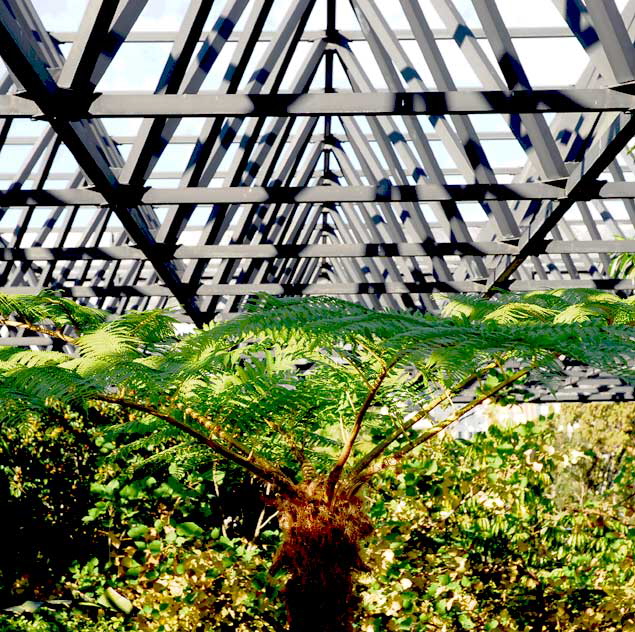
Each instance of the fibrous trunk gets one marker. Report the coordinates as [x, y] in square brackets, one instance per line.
[320, 550]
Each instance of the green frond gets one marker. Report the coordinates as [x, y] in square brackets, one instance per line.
[574, 296]
[287, 317]
[106, 342]
[36, 389]
[201, 349]
[549, 299]
[139, 425]
[49, 306]
[518, 312]
[31, 309]
[561, 306]
[477, 307]
[130, 376]
[18, 357]
[598, 296]
[157, 439]
[65, 311]
[470, 306]
[183, 458]
[622, 265]
[152, 327]
[576, 314]
[290, 376]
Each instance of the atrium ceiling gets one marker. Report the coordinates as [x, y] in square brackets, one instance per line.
[163, 153]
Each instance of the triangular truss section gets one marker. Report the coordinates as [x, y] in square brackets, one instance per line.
[340, 147]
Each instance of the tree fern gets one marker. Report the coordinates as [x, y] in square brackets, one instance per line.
[313, 395]
[246, 373]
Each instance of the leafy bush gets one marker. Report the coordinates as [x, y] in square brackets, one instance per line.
[47, 463]
[60, 621]
[180, 560]
[474, 535]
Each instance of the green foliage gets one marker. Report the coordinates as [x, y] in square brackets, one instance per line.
[181, 549]
[556, 306]
[48, 620]
[478, 534]
[286, 381]
[46, 465]
[50, 308]
[172, 549]
[313, 397]
[482, 535]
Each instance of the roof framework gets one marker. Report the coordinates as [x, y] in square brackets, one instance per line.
[313, 146]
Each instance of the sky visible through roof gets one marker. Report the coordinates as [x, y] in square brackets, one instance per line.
[548, 62]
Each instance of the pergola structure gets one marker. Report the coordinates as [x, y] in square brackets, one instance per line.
[341, 147]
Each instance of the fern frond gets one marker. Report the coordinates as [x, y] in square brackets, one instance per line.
[20, 358]
[577, 314]
[107, 341]
[152, 327]
[36, 389]
[157, 439]
[517, 312]
[139, 425]
[183, 458]
[51, 307]
[470, 306]
[286, 381]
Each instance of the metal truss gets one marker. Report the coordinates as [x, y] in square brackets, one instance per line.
[316, 148]
[581, 385]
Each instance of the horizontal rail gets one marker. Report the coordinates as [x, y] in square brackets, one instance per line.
[335, 289]
[69, 106]
[384, 192]
[152, 37]
[312, 251]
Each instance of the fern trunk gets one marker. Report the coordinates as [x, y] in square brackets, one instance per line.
[320, 550]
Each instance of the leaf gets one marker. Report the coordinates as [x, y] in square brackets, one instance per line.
[137, 531]
[189, 529]
[118, 600]
[27, 606]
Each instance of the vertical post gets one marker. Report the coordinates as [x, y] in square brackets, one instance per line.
[328, 79]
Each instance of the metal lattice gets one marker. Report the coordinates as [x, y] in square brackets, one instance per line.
[334, 153]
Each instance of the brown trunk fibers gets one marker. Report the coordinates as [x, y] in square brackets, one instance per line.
[320, 551]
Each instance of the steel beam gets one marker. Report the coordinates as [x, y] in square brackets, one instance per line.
[218, 135]
[188, 139]
[158, 37]
[335, 289]
[308, 250]
[287, 289]
[383, 193]
[596, 160]
[87, 47]
[24, 60]
[422, 166]
[432, 103]
[180, 76]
